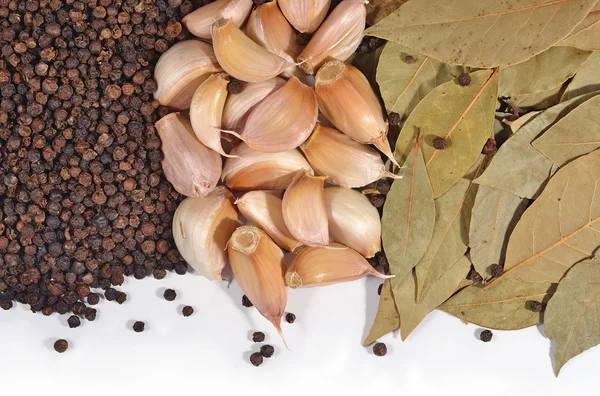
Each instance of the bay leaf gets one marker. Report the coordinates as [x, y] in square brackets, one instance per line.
[560, 228]
[504, 306]
[367, 63]
[475, 33]
[543, 72]
[541, 100]
[578, 133]
[403, 83]
[586, 80]
[379, 9]
[524, 119]
[387, 318]
[463, 116]
[495, 214]
[573, 313]
[519, 168]
[408, 216]
[413, 313]
[586, 35]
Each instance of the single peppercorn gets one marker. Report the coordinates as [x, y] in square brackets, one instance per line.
[170, 295]
[383, 186]
[534, 306]
[267, 351]
[290, 317]
[6, 304]
[496, 270]
[139, 326]
[409, 59]
[74, 321]
[380, 349]
[234, 86]
[61, 345]
[159, 273]
[486, 336]
[256, 359]
[474, 276]
[377, 200]
[303, 38]
[187, 311]
[121, 297]
[464, 79]
[379, 289]
[394, 118]
[258, 336]
[490, 147]
[90, 314]
[110, 294]
[439, 143]
[246, 302]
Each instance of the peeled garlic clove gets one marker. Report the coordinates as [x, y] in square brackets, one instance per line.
[264, 210]
[241, 57]
[353, 220]
[181, 70]
[348, 101]
[237, 106]
[338, 37]
[283, 120]
[304, 210]
[206, 111]
[320, 266]
[259, 267]
[201, 229]
[257, 170]
[192, 168]
[305, 15]
[268, 27]
[200, 21]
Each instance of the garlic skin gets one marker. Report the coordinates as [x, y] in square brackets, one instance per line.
[239, 105]
[206, 111]
[257, 170]
[348, 101]
[259, 267]
[353, 220]
[268, 27]
[192, 168]
[305, 15]
[241, 57]
[283, 120]
[263, 209]
[304, 211]
[201, 229]
[337, 38]
[344, 161]
[200, 21]
[320, 266]
[181, 69]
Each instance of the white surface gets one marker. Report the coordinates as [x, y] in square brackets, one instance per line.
[208, 352]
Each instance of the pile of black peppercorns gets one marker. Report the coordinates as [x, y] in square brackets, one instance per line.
[83, 201]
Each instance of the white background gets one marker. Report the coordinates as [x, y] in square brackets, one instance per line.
[209, 351]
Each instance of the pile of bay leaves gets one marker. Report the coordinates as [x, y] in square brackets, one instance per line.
[533, 208]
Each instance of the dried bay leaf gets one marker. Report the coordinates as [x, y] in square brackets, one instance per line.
[463, 116]
[495, 215]
[367, 63]
[586, 35]
[379, 9]
[578, 133]
[387, 318]
[408, 216]
[586, 80]
[541, 100]
[405, 77]
[503, 306]
[524, 119]
[573, 313]
[474, 33]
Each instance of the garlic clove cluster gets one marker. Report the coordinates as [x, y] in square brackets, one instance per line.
[200, 21]
[305, 15]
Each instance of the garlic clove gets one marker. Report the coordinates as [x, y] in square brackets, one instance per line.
[353, 220]
[181, 70]
[348, 101]
[264, 210]
[283, 120]
[200, 21]
[303, 209]
[241, 57]
[344, 161]
[337, 38]
[257, 170]
[268, 27]
[320, 266]
[201, 229]
[206, 111]
[259, 267]
[305, 15]
[192, 168]
[239, 105]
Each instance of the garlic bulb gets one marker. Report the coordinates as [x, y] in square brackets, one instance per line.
[263, 209]
[305, 15]
[201, 229]
[181, 69]
[206, 111]
[344, 161]
[200, 21]
[238, 106]
[256, 170]
[304, 210]
[320, 266]
[189, 166]
[259, 267]
[241, 57]
[353, 220]
[337, 38]
[348, 101]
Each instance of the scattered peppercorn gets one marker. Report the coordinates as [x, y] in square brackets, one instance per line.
[439, 143]
[121, 297]
[170, 295]
[409, 59]
[377, 200]
[535, 306]
[303, 38]
[6, 304]
[246, 302]
[267, 351]
[490, 147]
[464, 79]
[380, 349]
[61, 345]
[258, 336]
[379, 289]
[90, 314]
[139, 326]
[496, 270]
[256, 359]
[394, 118]
[93, 299]
[187, 311]
[290, 317]
[474, 276]
[486, 336]
[383, 186]
[74, 321]
[110, 294]
[234, 86]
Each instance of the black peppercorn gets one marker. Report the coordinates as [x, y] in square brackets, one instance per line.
[464, 79]
[258, 336]
[256, 359]
[61, 345]
[6, 304]
[486, 336]
[496, 270]
[170, 294]
[379, 349]
[474, 276]
[267, 351]
[110, 294]
[302, 39]
[409, 59]
[121, 297]
[187, 311]
[74, 321]
[534, 306]
[394, 118]
[90, 314]
[439, 143]
[246, 302]
[490, 148]
[139, 326]
[93, 299]
[234, 86]
[290, 317]
[378, 200]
